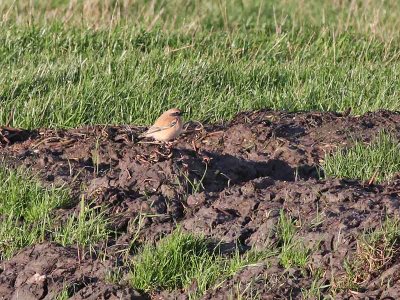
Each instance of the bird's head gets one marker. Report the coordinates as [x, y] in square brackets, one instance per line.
[174, 112]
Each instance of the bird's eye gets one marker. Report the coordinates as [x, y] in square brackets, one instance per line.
[173, 123]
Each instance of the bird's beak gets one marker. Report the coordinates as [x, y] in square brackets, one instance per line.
[178, 114]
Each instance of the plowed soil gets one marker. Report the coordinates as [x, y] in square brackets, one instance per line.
[227, 181]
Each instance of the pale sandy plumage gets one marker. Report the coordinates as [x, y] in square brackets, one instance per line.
[167, 127]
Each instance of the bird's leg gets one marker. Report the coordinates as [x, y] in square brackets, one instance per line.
[168, 145]
[194, 146]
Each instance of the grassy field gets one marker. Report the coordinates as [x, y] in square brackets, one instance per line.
[67, 63]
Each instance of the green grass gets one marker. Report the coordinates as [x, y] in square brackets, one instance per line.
[379, 160]
[84, 228]
[293, 251]
[126, 61]
[63, 295]
[68, 63]
[27, 217]
[317, 287]
[378, 18]
[181, 259]
[174, 263]
[115, 276]
[25, 210]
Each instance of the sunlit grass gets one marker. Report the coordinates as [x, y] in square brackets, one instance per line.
[293, 252]
[63, 65]
[378, 160]
[181, 259]
[25, 210]
[84, 228]
[27, 215]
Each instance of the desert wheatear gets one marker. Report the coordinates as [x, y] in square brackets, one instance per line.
[167, 127]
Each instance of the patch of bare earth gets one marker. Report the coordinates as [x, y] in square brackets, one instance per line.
[227, 181]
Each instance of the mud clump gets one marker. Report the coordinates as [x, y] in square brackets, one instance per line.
[229, 182]
[45, 270]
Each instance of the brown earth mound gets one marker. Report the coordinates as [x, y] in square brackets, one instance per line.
[227, 181]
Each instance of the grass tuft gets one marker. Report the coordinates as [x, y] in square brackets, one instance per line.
[375, 252]
[183, 260]
[174, 263]
[84, 228]
[377, 161]
[25, 210]
[293, 251]
[63, 295]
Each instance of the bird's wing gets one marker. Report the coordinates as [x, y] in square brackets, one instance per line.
[154, 129]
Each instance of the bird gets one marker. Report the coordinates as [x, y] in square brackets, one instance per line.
[167, 127]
